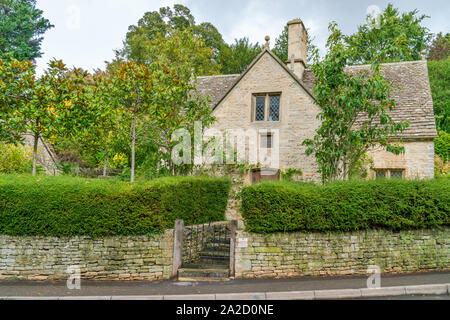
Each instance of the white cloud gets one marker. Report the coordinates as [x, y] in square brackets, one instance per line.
[255, 22]
[104, 23]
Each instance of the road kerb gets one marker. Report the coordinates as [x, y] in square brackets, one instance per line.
[241, 296]
[337, 294]
[94, 298]
[29, 298]
[437, 289]
[191, 297]
[383, 292]
[137, 298]
[296, 295]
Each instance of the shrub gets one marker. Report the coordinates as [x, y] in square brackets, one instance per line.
[65, 206]
[441, 168]
[120, 160]
[346, 206]
[442, 146]
[290, 173]
[15, 159]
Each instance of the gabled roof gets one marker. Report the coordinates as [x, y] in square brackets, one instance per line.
[218, 87]
[413, 93]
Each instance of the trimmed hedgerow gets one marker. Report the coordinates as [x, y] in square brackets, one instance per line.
[346, 206]
[64, 206]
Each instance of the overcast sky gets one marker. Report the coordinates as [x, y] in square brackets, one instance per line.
[87, 31]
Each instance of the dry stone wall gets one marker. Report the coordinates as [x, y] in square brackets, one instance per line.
[300, 254]
[120, 258]
[280, 255]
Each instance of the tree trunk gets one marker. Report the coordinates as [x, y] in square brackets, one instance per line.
[35, 147]
[105, 163]
[133, 146]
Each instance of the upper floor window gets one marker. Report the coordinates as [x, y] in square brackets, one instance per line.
[260, 109]
[274, 108]
[266, 107]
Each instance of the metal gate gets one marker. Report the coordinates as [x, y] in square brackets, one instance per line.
[206, 245]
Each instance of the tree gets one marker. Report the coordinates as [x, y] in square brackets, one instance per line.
[16, 79]
[48, 97]
[400, 37]
[166, 50]
[237, 57]
[282, 46]
[440, 47]
[105, 122]
[163, 24]
[159, 101]
[181, 106]
[159, 96]
[107, 118]
[53, 104]
[46, 107]
[439, 72]
[134, 93]
[211, 36]
[21, 30]
[354, 112]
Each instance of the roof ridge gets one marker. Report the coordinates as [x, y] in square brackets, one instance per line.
[220, 75]
[382, 64]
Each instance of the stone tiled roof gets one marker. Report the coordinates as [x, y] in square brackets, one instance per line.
[413, 94]
[216, 86]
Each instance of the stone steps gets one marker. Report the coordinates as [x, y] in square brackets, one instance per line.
[215, 253]
[205, 273]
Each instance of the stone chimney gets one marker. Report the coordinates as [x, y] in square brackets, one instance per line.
[297, 50]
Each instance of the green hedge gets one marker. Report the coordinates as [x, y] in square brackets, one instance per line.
[60, 206]
[347, 206]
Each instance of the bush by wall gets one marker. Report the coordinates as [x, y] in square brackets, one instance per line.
[442, 146]
[63, 206]
[15, 159]
[347, 206]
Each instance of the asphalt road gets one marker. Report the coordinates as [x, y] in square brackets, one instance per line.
[92, 288]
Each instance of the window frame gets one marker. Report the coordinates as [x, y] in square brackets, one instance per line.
[255, 99]
[267, 96]
[269, 107]
[377, 171]
[402, 171]
[389, 173]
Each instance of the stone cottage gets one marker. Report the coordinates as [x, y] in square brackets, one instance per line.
[276, 95]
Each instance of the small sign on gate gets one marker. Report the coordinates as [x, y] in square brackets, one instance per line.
[243, 243]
